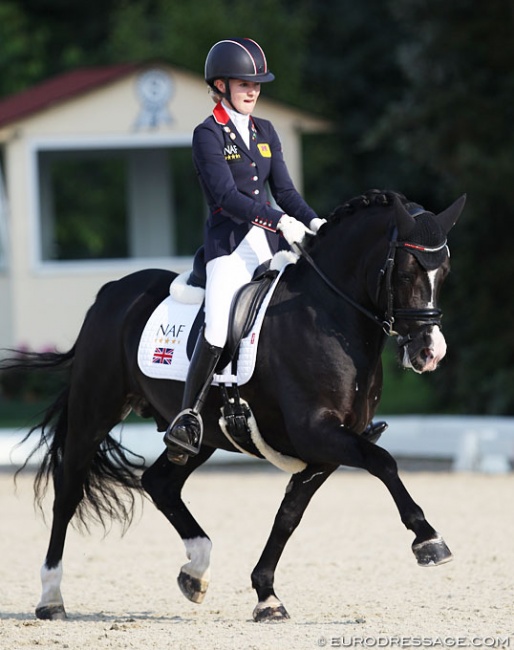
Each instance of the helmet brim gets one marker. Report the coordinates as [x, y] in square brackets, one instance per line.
[261, 78]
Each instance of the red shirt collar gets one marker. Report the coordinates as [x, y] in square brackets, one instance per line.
[220, 114]
[222, 117]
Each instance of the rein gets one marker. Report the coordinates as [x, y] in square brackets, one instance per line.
[429, 316]
[384, 324]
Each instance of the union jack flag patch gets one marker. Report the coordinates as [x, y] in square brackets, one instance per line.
[163, 355]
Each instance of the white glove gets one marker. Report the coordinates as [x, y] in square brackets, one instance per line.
[293, 230]
[316, 224]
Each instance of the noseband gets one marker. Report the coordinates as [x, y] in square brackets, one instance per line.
[428, 316]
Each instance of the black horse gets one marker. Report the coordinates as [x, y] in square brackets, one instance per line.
[374, 269]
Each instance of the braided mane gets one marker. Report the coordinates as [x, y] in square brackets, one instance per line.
[370, 198]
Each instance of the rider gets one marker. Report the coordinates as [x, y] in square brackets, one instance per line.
[235, 155]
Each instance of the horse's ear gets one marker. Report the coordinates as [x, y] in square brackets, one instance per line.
[404, 221]
[448, 218]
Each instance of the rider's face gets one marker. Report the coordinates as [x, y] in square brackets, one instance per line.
[243, 94]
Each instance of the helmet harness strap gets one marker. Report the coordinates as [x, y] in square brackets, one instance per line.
[227, 94]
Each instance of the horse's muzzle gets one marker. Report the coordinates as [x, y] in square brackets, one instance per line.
[423, 350]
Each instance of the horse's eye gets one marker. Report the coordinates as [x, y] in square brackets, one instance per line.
[406, 278]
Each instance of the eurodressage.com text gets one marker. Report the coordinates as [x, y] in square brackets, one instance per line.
[414, 642]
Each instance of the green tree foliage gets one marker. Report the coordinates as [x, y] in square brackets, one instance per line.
[352, 74]
[454, 121]
[21, 50]
[146, 29]
[40, 38]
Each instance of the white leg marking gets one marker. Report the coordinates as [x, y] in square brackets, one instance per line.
[198, 551]
[51, 581]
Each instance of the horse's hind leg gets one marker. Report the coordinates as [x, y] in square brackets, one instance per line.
[68, 487]
[163, 481]
[79, 431]
[299, 492]
[68, 493]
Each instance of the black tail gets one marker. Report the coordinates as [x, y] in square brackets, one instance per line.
[114, 472]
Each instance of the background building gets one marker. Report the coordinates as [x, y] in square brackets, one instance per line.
[96, 182]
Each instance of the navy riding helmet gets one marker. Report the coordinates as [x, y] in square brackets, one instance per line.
[237, 58]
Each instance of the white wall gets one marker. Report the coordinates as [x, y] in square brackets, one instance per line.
[465, 443]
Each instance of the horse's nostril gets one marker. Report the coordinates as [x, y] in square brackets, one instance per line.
[428, 354]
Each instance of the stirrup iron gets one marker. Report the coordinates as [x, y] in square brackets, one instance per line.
[191, 447]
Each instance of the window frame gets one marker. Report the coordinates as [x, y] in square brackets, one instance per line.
[36, 146]
[4, 223]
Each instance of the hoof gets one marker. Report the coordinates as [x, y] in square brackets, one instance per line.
[432, 552]
[51, 613]
[194, 589]
[270, 611]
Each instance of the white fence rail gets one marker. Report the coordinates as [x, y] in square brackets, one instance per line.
[462, 443]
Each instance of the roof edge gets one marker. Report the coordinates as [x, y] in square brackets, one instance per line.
[60, 89]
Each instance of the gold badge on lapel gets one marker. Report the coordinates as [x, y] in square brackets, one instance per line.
[264, 150]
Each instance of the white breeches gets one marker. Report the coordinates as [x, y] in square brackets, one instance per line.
[225, 275]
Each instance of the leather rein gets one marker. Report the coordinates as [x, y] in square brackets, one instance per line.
[428, 316]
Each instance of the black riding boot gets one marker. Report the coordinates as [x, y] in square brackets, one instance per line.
[184, 435]
[374, 430]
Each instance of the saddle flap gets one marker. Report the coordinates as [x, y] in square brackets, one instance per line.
[172, 329]
[245, 307]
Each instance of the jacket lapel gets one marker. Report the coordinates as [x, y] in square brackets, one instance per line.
[232, 135]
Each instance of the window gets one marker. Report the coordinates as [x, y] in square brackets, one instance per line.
[119, 203]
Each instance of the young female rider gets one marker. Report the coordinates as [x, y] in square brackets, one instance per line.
[236, 156]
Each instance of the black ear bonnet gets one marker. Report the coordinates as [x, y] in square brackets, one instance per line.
[427, 240]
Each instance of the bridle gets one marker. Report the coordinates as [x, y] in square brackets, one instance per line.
[427, 316]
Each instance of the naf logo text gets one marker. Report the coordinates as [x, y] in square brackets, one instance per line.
[231, 152]
[170, 330]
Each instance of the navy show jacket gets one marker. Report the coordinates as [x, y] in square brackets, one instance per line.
[234, 182]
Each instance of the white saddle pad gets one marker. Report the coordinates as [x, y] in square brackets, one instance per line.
[162, 349]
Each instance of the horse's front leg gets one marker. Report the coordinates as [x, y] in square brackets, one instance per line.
[428, 546]
[163, 481]
[299, 492]
[353, 450]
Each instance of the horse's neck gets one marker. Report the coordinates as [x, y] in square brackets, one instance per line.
[319, 308]
[351, 258]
